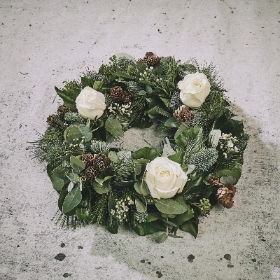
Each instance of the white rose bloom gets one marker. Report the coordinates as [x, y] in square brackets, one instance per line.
[90, 103]
[194, 89]
[165, 178]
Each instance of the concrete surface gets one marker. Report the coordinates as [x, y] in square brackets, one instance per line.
[43, 43]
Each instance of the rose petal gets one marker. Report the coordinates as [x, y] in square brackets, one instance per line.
[190, 100]
[150, 180]
[167, 194]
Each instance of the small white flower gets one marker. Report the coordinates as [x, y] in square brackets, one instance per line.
[236, 149]
[230, 144]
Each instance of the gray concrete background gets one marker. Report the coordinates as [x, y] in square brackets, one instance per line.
[43, 43]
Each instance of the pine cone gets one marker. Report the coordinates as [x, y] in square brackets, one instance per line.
[151, 58]
[90, 173]
[225, 195]
[53, 120]
[62, 110]
[127, 97]
[87, 159]
[100, 162]
[117, 93]
[183, 114]
[120, 95]
[50, 120]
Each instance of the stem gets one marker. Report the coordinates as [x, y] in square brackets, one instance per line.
[167, 231]
[88, 123]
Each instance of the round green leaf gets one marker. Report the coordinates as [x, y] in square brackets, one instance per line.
[170, 206]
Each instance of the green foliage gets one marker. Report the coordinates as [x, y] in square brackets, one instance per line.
[146, 153]
[145, 228]
[74, 118]
[51, 147]
[69, 96]
[204, 159]
[100, 209]
[58, 176]
[72, 200]
[190, 226]
[99, 146]
[170, 206]
[123, 166]
[141, 188]
[113, 126]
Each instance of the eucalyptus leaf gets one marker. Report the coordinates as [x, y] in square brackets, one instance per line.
[113, 156]
[137, 168]
[170, 206]
[77, 164]
[114, 127]
[171, 122]
[73, 177]
[191, 227]
[58, 176]
[152, 217]
[72, 199]
[161, 237]
[149, 89]
[101, 189]
[73, 134]
[228, 180]
[140, 207]
[87, 134]
[102, 180]
[146, 153]
[125, 55]
[142, 92]
[97, 85]
[142, 188]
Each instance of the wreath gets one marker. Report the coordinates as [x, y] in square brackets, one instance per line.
[153, 190]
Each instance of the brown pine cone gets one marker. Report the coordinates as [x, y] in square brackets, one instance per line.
[90, 173]
[151, 58]
[100, 162]
[127, 98]
[117, 93]
[225, 195]
[62, 110]
[53, 120]
[183, 114]
[87, 159]
[120, 95]
[50, 120]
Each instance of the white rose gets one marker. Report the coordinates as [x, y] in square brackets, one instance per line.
[194, 89]
[90, 103]
[165, 178]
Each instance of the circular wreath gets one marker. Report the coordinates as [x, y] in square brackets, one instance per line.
[150, 189]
